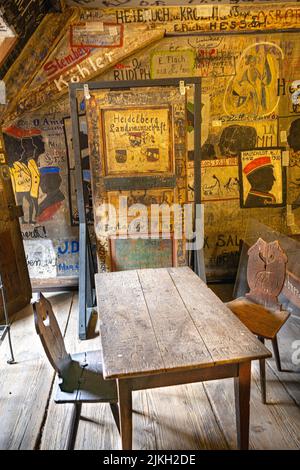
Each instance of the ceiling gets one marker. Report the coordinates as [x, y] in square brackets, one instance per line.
[22, 17]
[7, 39]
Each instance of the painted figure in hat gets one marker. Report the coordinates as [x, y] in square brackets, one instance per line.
[24, 147]
[50, 185]
[260, 175]
[33, 148]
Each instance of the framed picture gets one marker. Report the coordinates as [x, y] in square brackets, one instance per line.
[262, 178]
[137, 141]
[142, 253]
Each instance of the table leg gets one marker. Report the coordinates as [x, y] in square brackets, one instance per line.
[242, 404]
[262, 373]
[125, 409]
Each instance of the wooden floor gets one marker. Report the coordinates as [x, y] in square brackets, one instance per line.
[197, 416]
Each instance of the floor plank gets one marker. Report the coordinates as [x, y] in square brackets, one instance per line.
[272, 426]
[25, 386]
[290, 375]
[194, 416]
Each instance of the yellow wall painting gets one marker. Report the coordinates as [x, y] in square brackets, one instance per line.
[253, 91]
[262, 178]
[137, 140]
[219, 180]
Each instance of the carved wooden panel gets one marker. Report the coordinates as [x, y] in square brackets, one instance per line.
[138, 155]
[266, 272]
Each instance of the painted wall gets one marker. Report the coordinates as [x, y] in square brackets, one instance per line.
[39, 156]
[250, 102]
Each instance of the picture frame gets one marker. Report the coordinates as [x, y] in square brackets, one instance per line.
[262, 178]
[137, 140]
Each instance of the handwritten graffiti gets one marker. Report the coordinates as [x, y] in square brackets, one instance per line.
[68, 247]
[52, 258]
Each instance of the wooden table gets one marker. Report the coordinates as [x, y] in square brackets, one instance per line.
[162, 327]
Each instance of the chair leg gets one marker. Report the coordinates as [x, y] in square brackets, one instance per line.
[115, 412]
[262, 370]
[262, 373]
[74, 426]
[276, 353]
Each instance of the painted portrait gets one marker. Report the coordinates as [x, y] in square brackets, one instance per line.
[36, 182]
[262, 178]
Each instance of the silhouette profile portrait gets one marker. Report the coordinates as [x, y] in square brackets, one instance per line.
[294, 135]
[260, 174]
[24, 147]
[50, 185]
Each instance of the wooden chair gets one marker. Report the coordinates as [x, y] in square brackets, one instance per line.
[260, 310]
[81, 373]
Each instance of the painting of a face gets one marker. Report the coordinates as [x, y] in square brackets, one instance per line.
[262, 179]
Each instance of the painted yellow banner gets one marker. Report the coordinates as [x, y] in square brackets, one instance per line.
[165, 64]
[137, 140]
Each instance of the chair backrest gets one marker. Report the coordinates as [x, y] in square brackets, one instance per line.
[49, 332]
[266, 271]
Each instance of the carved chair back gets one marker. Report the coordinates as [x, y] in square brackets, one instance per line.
[266, 270]
[47, 328]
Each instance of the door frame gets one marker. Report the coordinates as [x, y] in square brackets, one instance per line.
[87, 300]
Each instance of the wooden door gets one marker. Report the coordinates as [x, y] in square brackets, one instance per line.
[13, 264]
[138, 152]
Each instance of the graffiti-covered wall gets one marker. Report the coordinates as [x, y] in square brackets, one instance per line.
[250, 131]
[40, 166]
[250, 119]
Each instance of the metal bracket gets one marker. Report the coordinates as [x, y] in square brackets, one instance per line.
[86, 91]
[182, 88]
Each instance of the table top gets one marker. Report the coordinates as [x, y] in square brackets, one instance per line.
[167, 319]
